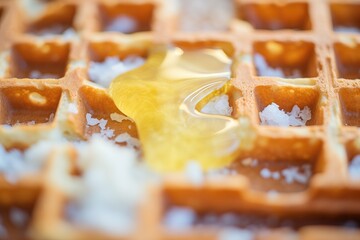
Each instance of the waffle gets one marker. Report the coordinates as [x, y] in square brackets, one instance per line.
[303, 53]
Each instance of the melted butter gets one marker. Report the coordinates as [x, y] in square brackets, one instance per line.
[163, 98]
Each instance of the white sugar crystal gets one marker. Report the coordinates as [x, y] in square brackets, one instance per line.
[14, 163]
[37, 154]
[179, 218]
[218, 105]
[113, 185]
[221, 172]
[123, 24]
[272, 115]
[91, 121]
[198, 15]
[265, 70]
[102, 124]
[3, 231]
[272, 194]
[69, 34]
[18, 217]
[249, 162]
[347, 29]
[275, 175]
[265, 173]
[128, 139]
[119, 117]
[107, 133]
[72, 108]
[35, 74]
[354, 168]
[194, 173]
[51, 117]
[294, 174]
[104, 72]
[299, 174]
[29, 123]
[33, 7]
[55, 31]
[235, 234]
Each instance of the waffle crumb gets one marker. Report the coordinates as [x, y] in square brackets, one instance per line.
[272, 115]
[104, 72]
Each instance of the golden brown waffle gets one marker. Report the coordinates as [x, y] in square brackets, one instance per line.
[312, 49]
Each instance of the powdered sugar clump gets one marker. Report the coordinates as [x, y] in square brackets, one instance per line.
[113, 183]
[198, 15]
[354, 168]
[14, 163]
[218, 105]
[108, 133]
[272, 115]
[193, 172]
[104, 131]
[235, 234]
[39, 75]
[293, 174]
[123, 24]
[264, 69]
[345, 29]
[296, 174]
[72, 108]
[104, 72]
[57, 31]
[128, 139]
[179, 218]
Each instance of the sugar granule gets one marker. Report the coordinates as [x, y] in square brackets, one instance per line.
[179, 218]
[123, 24]
[218, 105]
[194, 174]
[272, 115]
[104, 72]
[354, 168]
[113, 184]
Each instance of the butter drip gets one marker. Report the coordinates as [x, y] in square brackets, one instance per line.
[162, 98]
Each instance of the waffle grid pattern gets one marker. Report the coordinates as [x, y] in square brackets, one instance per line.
[324, 59]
